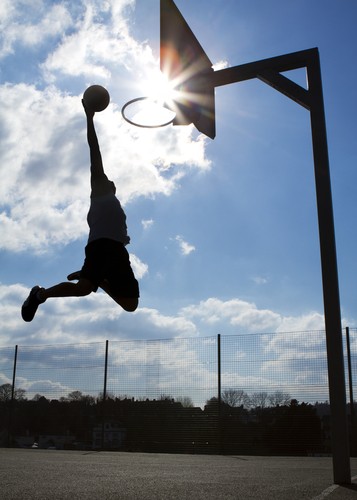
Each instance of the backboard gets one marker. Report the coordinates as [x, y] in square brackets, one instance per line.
[188, 68]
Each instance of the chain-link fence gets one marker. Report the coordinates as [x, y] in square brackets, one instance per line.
[253, 393]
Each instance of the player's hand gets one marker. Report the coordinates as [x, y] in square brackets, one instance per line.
[88, 111]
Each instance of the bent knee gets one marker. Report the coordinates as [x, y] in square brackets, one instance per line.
[84, 287]
[129, 305]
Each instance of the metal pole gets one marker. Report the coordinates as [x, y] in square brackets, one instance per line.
[350, 382]
[219, 396]
[14, 375]
[105, 370]
[334, 344]
[104, 390]
[269, 71]
[9, 433]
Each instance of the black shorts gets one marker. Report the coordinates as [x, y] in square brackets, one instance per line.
[109, 260]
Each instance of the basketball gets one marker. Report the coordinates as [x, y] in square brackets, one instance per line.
[96, 98]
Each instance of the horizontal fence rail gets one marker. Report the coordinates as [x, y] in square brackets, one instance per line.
[247, 394]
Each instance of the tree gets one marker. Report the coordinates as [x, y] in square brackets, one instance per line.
[212, 404]
[166, 397]
[75, 396]
[186, 401]
[259, 400]
[235, 397]
[108, 395]
[37, 397]
[6, 393]
[78, 396]
[279, 398]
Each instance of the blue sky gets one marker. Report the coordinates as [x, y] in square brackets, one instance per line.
[223, 233]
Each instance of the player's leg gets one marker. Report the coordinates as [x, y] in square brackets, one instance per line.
[118, 279]
[39, 295]
[80, 289]
[129, 304]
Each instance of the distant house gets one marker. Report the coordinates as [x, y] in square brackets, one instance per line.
[109, 435]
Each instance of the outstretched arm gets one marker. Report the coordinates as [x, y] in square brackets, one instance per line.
[99, 181]
[95, 154]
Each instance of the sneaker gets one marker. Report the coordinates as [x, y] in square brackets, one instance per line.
[31, 304]
[74, 276]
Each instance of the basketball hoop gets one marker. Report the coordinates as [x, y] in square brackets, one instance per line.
[142, 111]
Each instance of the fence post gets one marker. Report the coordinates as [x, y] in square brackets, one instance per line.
[350, 383]
[9, 433]
[14, 375]
[219, 398]
[104, 390]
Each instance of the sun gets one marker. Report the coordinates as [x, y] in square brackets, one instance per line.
[159, 88]
[157, 107]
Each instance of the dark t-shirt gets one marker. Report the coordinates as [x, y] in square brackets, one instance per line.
[106, 219]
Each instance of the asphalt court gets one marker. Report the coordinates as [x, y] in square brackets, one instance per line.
[54, 474]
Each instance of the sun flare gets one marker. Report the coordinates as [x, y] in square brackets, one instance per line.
[157, 107]
[159, 88]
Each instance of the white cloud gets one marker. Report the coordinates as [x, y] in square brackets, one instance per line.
[305, 322]
[140, 268]
[246, 316]
[220, 65]
[183, 353]
[78, 320]
[51, 389]
[44, 157]
[99, 44]
[260, 280]
[96, 317]
[168, 326]
[30, 24]
[185, 247]
[147, 223]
